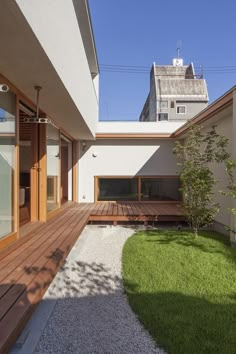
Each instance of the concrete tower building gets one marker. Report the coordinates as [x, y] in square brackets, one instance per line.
[176, 93]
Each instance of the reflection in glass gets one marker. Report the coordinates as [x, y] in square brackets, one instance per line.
[52, 167]
[118, 189]
[162, 189]
[66, 169]
[7, 162]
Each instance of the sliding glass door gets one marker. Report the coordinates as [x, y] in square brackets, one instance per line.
[7, 162]
[53, 170]
[66, 169]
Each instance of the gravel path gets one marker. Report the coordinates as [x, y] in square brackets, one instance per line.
[92, 314]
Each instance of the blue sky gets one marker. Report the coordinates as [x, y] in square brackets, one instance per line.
[140, 32]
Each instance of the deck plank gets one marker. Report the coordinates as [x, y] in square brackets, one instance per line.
[35, 274]
[18, 266]
[7, 264]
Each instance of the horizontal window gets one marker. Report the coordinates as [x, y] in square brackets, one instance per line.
[160, 189]
[139, 188]
[117, 189]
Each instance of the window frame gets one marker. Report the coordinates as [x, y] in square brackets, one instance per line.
[164, 101]
[181, 105]
[139, 179]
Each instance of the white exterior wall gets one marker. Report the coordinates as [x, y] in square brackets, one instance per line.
[64, 47]
[146, 157]
[224, 127]
[162, 127]
[223, 122]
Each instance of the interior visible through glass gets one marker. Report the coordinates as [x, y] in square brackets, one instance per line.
[118, 189]
[53, 154]
[160, 189]
[66, 169]
[7, 161]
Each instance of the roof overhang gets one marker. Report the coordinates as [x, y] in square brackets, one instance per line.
[132, 136]
[84, 20]
[25, 62]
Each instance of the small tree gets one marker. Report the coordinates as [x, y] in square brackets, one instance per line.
[231, 187]
[197, 180]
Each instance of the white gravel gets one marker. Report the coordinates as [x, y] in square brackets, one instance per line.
[92, 314]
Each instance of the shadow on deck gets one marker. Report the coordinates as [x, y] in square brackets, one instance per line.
[29, 265]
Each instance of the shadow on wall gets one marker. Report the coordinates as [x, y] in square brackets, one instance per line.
[162, 162]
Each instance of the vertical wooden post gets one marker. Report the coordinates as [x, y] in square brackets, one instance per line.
[75, 171]
[34, 187]
[42, 173]
[96, 189]
[139, 189]
[16, 189]
[59, 191]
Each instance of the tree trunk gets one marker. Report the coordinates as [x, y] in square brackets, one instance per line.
[195, 231]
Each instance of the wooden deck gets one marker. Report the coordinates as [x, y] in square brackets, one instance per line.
[136, 211]
[28, 267]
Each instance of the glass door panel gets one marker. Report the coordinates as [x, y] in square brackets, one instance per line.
[7, 162]
[66, 169]
[53, 155]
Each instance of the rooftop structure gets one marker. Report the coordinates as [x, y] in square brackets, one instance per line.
[176, 93]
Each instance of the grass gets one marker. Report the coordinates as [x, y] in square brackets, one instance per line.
[183, 289]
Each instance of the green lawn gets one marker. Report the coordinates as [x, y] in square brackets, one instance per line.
[183, 289]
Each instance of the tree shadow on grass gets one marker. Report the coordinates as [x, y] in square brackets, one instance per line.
[186, 324]
[220, 245]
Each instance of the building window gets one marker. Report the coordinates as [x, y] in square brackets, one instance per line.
[160, 189]
[163, 104]
[181, 109]
[162, 116]
[117, 189]
[172, 104]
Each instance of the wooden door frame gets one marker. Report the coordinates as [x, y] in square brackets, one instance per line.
[39, 211]
[34, 175]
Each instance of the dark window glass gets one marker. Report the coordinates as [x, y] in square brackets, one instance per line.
[181, 109]
[162, 116]
[118, 189]
[162, 189]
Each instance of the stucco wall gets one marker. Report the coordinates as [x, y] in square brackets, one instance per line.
[223, 122]
[162, 127]
[64, 48]
[224, 127]
[192, 108]
[123, 158]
